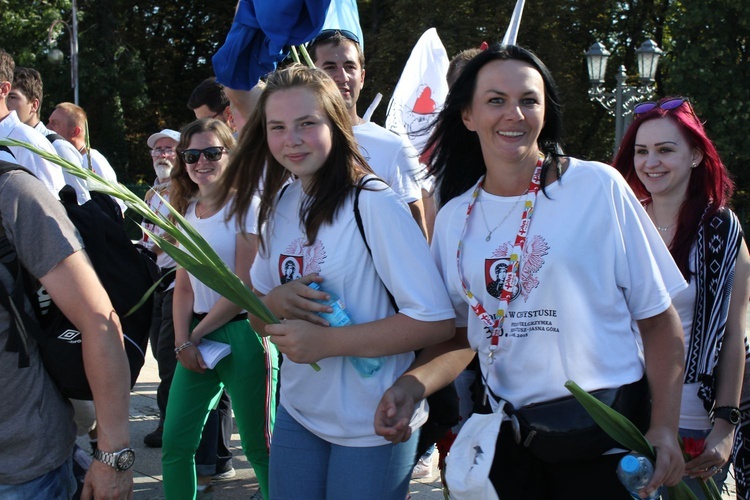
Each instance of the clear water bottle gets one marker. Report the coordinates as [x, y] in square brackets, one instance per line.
[635, 472]
[366, 367]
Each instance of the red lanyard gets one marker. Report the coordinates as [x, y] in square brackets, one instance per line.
[511, 279]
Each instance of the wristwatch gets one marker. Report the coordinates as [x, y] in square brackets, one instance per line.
[119, 460]
[729, 413]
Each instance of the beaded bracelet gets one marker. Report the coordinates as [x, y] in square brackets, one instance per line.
[185, 345]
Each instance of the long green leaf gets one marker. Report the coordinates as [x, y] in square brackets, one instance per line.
[198, 258]
[622, 430]
[683, 491]
[615, 425]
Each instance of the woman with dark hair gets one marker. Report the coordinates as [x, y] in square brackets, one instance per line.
[676, 172]
[249, 372]
[324, 444]
[578, 276]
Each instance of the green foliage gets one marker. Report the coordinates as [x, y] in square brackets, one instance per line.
[139, 60]
[709, 61]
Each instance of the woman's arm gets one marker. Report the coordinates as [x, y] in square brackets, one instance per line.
[304, 342]
[664, 349]
[434, 368]
[224, 310]
[182, 316]
[729, 373]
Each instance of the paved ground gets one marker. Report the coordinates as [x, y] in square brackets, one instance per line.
[144, 416]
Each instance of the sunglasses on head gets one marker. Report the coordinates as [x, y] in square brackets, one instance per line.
[666, 105]
[328, 34]
[190, 156]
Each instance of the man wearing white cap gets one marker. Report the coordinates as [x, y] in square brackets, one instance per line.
[163, 150]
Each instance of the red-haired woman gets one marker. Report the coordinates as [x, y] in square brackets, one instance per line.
[675, 169]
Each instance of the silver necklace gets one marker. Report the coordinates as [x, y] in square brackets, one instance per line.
[663, 229]
[484, 216]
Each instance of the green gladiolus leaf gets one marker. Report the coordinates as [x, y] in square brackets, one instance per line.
[622, 430]
[194, 254]
[615, 425]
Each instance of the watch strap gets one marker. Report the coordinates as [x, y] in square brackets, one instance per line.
[731, 414]
[112, 458]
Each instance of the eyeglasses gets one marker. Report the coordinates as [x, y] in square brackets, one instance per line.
[666, 105]
[168, 152]
[328, 34]
[191, 156]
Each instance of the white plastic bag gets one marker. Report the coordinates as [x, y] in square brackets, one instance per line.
[467, 467]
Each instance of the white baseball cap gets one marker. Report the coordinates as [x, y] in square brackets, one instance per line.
[172, 134]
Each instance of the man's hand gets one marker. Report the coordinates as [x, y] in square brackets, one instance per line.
[105, 483]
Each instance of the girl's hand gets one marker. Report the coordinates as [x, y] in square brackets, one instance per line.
[191, 358]
[301, 341]
[716, 452]
[296, 300]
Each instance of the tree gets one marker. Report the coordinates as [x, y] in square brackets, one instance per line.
[708, 60]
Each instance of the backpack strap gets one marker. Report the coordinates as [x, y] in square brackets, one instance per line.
[54, 137]
[22, 325]
[6, 150]
[358, 217]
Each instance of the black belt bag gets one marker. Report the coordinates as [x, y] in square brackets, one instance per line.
[561, 430]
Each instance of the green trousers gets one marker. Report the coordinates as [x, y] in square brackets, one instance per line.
[249, 374]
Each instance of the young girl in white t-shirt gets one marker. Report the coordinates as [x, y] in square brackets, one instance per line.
[324, 443]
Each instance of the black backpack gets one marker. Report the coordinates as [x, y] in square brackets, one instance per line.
[127, 276]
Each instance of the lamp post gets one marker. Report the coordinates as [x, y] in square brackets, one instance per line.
[623, 98]
[55, 55]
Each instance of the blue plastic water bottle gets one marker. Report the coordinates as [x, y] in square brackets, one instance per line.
[635, 471]
[366, 367]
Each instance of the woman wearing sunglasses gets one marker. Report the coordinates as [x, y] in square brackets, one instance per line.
[675, 170]
[249, 371]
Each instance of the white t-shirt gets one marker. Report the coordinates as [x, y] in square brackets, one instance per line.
[101, 166]
[222, 236]
[392, 159]
[158, 205]
[593, 264]
[50, 174]
[67, 151]
[336, 403]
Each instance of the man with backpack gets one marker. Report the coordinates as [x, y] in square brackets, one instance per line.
[38, 434]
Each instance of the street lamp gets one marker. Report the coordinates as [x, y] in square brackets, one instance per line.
[55, 55]
[621, 101]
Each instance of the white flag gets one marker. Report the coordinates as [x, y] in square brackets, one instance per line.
[515, 22]
[421, 91]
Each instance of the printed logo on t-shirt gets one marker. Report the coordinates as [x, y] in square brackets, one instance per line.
[300, 260]
[531, 262]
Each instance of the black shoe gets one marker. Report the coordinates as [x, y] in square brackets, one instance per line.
[153, 439]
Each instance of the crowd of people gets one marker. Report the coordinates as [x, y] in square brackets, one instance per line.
[631, 279]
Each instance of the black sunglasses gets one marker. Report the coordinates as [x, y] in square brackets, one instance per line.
[665, 104]
[328, 34]
[191, 156]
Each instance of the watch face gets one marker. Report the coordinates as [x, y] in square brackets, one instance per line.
[734, 416]
[125, 459]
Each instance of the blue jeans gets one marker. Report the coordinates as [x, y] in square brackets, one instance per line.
[306, 466]
[58, 484]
